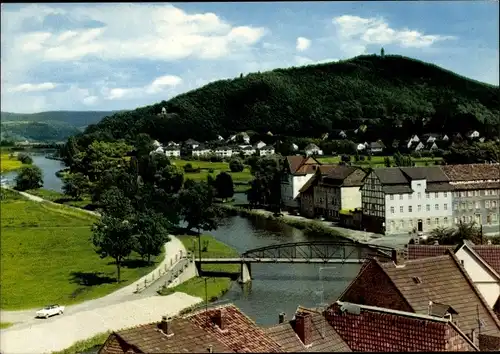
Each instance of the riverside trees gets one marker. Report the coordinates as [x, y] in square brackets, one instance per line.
[141, 196]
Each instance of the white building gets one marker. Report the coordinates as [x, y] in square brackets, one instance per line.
[312, 150]
[172, 151]
[248, 150]
[224, 151]
[408, 199]
[266, 150]
[259, 145]
[201, 151]
[483, 275]
[297, 170]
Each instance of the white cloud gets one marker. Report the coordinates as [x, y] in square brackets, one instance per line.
[377, 31]
[139, 32]
[90, 100]
[302, 44]
[162, 82]
[301, 60]
[45, 86]
[158, 85]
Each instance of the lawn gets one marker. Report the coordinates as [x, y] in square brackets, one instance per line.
[216, 168]
[60, 198]
[378, 161]
[47, 257]
[216, 286]
[4, 325]
[8, 163]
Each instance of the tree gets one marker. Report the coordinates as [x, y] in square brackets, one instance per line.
[75, 184]
[169, 178]
[235, 165]
[152, 233]
[345, 158]
[25, 158]
[115, 203]
[113, 237]
[29, 177]
[224, 185]
[402, 160]
[387, 161]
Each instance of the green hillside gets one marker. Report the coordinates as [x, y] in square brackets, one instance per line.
[47, 126]
[392, 95]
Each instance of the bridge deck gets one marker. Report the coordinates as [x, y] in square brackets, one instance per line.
[276, 260]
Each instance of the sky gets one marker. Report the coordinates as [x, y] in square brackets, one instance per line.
[114, 56]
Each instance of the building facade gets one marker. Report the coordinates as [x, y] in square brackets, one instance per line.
[476, 193]
[297, 170]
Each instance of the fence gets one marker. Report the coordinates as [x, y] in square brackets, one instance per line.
[170, 270]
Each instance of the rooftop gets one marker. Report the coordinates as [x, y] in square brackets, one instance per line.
[472, 172]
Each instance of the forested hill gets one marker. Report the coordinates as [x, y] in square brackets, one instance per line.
[382, 92]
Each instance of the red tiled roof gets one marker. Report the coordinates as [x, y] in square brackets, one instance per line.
[472, 172]
[323, 336]
[490, 254]
[425, 251]
[302, 165]
[443, 280]
[239, 332]
[383, 330]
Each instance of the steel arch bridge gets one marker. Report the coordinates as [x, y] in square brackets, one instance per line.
[342, 251]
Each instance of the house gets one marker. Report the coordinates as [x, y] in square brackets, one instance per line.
[220, 138]
[158, 150]
[474, 134]
[223, 151]
[308, 331]
[431, 146]
[312, 150]
[417, 146]
[376, 147]
[399, 200]
[294, 147]
[476, 190]
[430, 138]
[269, 133]
[173, 143]
[445, 137]
[415, 138]
[361, 147]
[377, 329]
[248, 150]
[342, 134]
[313, 205]
[297, 170]
[172, 151]
[437, 286]
[245, 137]
[481, 262]
[156, 144]
[201, 151]
[266, 150]
[259, 145]
[338, 189]
[191, 144]
[224, 329]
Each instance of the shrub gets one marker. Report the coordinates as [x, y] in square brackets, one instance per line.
[235, 165]
[25, 158]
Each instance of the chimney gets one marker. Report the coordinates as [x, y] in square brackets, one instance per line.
[210, 349]
[166, 325]
[429, 308]
[398, 257]
[218, 319]
[303, 327]
[282, 318]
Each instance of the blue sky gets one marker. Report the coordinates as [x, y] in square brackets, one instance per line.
[122, 56]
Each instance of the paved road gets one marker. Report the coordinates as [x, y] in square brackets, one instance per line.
[60, 332]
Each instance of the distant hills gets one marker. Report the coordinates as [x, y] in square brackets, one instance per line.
[393, 96]
[48, 126]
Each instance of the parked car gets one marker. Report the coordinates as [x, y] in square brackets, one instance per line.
[50, 310]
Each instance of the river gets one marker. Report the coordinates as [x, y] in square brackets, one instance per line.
[275, 288]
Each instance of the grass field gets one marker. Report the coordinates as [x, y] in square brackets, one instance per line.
[378, 161]
[217, 167]
[216, 286]
[86, 344]
[47, 257]
[4, 325]
[8, 164]
[60, 198]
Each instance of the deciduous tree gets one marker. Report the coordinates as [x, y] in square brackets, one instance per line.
[29, 177]
[224, 186]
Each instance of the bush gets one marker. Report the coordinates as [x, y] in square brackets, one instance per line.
[215, 158]
[210, 170]
[25, 159]
[29, 177]
[235, 165]
[188, 168]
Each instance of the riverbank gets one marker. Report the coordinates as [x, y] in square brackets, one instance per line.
[216, 287]
[9, 163]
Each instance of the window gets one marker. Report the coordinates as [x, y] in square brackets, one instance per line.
[478, 206]
[428, 222]
[409, 196]
[470, 218]
[400, 209]
[463, 206]
[400, 197]
[462, 194]
[494, 217]
[493, 192]
[445, 220]
[436, 195]
[411, 222]
[463, 218]
[391, 197]
[470, 193]
[470, 205]
[445, 206]
[456, 220]
[455, 206]
[402, 222]
[445, 194]
[486, 192]
[493, 203]
[392, 210]
[419, 195]
[427, 195]
[476, 193]
[419, 207]
[456, 194]
[419, 184]
[436, 221]
[409, 209]
[436, 206]
[487, 204]
[428, 207]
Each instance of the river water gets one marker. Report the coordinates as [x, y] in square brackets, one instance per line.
[275, 288]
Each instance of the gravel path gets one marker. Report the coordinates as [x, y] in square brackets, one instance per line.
[62, 331]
